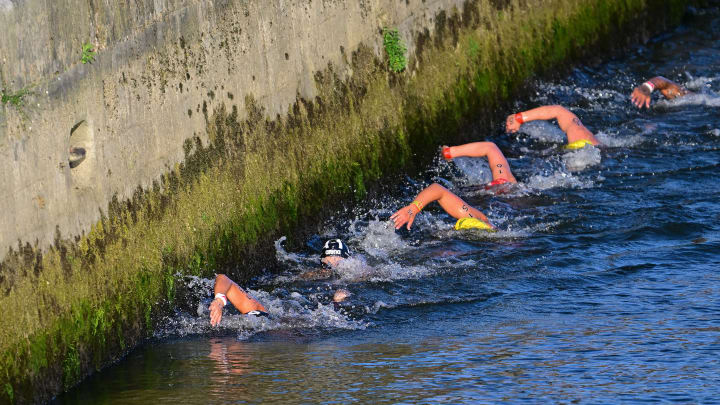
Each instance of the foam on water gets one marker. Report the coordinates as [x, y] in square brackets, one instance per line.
[354, 268]
[618, 140]
[287, 311]
[563, 179]
[543, 131]
[283, 256]
[475, 170]
[581, 159]
[698, 84]
[706, 99]
[378, 238]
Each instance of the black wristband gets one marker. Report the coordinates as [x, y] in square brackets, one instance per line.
[258, 313]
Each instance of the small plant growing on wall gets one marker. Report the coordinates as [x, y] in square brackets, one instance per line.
[13, 98]
[395, 48]
[88, 53]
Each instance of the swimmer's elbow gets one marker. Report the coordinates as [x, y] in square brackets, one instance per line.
[436, 187]
[561, 112]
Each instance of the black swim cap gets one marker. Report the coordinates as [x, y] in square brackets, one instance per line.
[335, 247]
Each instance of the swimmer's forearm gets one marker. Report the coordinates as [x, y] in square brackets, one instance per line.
[239, 298]
[431, 193]
[564, 117]
[661, 83]
[474, 149]
[546, 112]
[667, 87]
[222, 284]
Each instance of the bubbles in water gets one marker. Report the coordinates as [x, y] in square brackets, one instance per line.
[283, 256]
[557, 179]
[707, 99]
[398, 271]
[353, 269]
[617, 140]
[476, 170]
[715, 132]
[377, 306]
[698, 83]
[379, 238]
[580, 159]
[287, 311]
[543, 131]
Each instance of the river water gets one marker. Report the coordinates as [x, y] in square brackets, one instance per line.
[601, 286]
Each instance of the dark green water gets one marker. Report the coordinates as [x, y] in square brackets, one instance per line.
[601, 287]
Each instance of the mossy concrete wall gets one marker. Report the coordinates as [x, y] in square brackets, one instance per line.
[212, 126]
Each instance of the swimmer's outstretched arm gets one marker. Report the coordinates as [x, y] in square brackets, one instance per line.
[568, 122]
[239, 298]
[496, 160]
[641, 94]
[451, 203]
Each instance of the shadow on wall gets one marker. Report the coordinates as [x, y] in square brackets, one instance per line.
[81, 154]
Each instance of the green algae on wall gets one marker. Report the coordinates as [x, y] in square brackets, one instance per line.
[96, 296]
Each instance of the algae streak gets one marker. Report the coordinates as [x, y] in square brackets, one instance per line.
[82, 304]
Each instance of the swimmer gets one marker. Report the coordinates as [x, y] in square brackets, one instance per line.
[334, 251]
[641, 95]
[496, 160]
[578, 136]
[468, 217]
[226, 290]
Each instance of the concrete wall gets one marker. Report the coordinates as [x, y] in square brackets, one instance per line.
[158, 62]
[211, 126]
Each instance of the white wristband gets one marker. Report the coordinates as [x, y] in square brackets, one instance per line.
[650, 86]
[222, 298]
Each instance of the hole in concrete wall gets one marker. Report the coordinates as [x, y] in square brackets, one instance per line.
[80, 152]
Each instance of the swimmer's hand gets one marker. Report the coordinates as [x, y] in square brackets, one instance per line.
[216, 310]
[511, 124]
[341, 295]
[641, 97]
[405, 215]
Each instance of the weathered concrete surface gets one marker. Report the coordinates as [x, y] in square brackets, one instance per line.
[158, 62]
[215, 124]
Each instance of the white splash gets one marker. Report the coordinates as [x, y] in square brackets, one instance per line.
[284, 256]
[698, 83]
[397, 271]
[619, 140]
[379, 239]
[353, 268]
[543, 131]
[706, 99]
[557, 179]
[580, 159]
[476, 170]
[290, 312]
